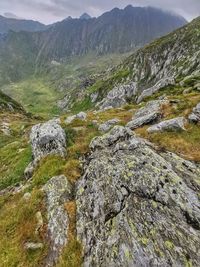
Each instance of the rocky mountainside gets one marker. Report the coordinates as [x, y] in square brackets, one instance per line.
[173, 60]
[116, 31]
[16, 25]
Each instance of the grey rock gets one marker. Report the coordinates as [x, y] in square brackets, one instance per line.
[80, 116]
[46, 139]
[27, 196]
[118, 96]
[195, 115]
[136, 207]
[106, 126]
[40, 222]
[33, 246]
[94, 97]
[176, 124]
[5, 128]
[159, 85]
[148, 114]
[58, 190]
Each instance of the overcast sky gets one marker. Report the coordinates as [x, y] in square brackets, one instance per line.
[48, 11]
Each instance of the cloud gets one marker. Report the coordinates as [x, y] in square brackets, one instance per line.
[52, 10]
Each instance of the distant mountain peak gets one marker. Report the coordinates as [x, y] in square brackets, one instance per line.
[85, 16]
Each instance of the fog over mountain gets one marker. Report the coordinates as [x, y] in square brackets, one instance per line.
[49, 11]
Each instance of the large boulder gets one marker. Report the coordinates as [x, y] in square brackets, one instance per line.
[148, 114]
[159, 85]
[47, 138]
[176, 124]
[58, 191]
[195, 115]
[106, 126]
[136, 207]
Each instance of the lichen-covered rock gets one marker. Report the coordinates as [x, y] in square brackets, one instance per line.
[195, 115]
[159, 85]
[118, 96]
[58, 190]
[106, 126]
[136, 207]
[176, 124]
[47, 138]
[81, 116]
[150, 113]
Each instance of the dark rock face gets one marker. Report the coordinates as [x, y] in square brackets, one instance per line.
[136, 207]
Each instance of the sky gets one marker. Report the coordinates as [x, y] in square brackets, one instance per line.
[48, 11]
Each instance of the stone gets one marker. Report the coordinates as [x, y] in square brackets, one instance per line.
[81, 116]
[33, 246]
[27, 196]
[58, 191]
[47, 139]
[106, 126]
[118, 96]
[176, 124]
[137, 206]
[148, 114]
[159, 85]
[195, 115]
[40, 222]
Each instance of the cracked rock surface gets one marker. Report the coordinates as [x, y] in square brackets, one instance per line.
[58, 191]
[136, 206]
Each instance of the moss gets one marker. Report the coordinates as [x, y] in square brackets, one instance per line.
[169, 245]
[144, 241]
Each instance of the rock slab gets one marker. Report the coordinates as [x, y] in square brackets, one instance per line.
[136, 207]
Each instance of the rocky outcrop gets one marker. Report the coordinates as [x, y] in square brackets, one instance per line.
[176, 124]
[80, 116]
[106, 126]
[148, 114]
[159, 85]
[118, 96]
[136, 207]
[58, 191]
[195, 115]
[46, 139]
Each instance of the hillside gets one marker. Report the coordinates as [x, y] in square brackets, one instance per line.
[128, 30]
[17, 25]
[172, 60]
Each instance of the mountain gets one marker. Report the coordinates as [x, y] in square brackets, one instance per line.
[114, 31]
[85, 16]
[117, 31]
[13, 24]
